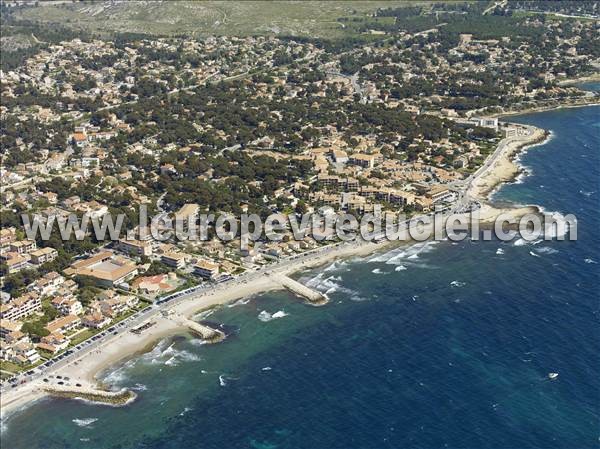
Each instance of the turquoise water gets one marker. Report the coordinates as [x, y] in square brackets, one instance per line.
[435, 345]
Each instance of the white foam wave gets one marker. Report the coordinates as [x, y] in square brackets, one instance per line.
[590, 260]
[330, 284]
[335, 266]
[377, 271]
[458, 284]
[239, 302]
[266, 368]
[534, 254]
[560, 229]
[400, 268]
[169, 356]
[499, 251]
[203, 315]
[265, 316]
[546, 250]
[396, 256]
[588, 194]
[222, 380]
[119, 375]
[84, 422]
[523, 242]
[185, 410]
[172, 362]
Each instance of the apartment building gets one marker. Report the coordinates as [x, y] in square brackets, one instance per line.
[205, 269]
[43, 255]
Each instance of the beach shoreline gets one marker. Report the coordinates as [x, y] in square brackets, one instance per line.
[535, 109]
[92, 366]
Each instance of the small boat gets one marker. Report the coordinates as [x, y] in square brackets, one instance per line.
[552, 376]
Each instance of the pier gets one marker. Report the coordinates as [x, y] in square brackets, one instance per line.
[92, 394]
[204, 332]
[314, 297]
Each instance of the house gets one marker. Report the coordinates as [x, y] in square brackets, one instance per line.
[25, 353]
[339, 156]
[9, 326]
[160, 283]
[53, 343]
[95, 320]
[166, 169]
[23, 246]
[117, 305]
[48, 284]
[15, 262]
[67, 306]
[16, 337]
[64, 324]
[43, 255]
[79, 139]
[7, 236]
[205, 269]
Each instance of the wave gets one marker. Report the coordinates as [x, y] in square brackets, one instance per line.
[203, 315]
[395, 256]
[523, 242]
[266, 368]
[84, 422]
[499, 251]
[119, 375]
[223, 379]
[534, 254]
[185, 410]
[265, 316]
[458, 284]
[169, 356]
[400, 268]
[139, 387]
[336, 266]
[378, 271]
[331, 284]
[588, 194]
[546, 250]
[239, 302]
[588, 260]
[562, 226]
[412, 256]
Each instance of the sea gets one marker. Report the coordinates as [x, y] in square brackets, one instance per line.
[431, 345]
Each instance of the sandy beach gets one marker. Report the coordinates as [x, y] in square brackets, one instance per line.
[87, 369]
